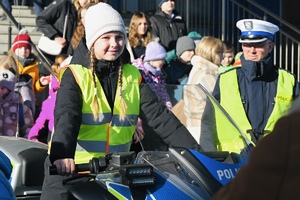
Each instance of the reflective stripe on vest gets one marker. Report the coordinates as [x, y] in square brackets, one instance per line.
[228, 138]
[108, 131]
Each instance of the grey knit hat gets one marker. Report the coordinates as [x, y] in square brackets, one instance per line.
[183, 44]
[7, 79]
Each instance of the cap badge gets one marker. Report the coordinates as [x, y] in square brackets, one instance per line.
[248, 25]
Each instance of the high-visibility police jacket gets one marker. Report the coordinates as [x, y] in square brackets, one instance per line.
[228, 138]
[108, 133]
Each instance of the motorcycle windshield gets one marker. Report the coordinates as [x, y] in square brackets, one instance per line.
[202, 114]
[217, 115]
[175, 178]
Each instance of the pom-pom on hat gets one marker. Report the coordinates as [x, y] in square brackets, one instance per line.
[100, 19]
[7, 79]
[22, 40]
[256, 31]
[184, 43]
[154, 51]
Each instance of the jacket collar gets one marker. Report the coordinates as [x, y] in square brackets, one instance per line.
[263, 69]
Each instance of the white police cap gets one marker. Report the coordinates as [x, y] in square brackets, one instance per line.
[255, 31]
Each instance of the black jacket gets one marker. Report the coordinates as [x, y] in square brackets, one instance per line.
[69, 103]
[51, 20]
[168, 29]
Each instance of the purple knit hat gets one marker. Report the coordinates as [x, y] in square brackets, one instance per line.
[154, 51]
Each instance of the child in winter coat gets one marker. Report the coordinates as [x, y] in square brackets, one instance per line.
[150, 66]
[28, 68]
[180, 67]
[47, 111]
[15, 117]
[228, 57]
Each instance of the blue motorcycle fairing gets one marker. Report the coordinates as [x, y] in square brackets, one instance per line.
[222, 172]
[164, 189]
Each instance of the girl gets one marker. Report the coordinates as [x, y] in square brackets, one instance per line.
[206, 61]
[99, 101]
[47, 110]
[139, 35]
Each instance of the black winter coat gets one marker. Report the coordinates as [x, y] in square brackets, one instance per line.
[51, 21]
[68, 106]
[168, 29]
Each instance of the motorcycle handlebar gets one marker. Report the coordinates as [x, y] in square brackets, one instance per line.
[95, 165]
[78, 168]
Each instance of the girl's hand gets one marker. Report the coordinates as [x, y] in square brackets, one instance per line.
[65, 166]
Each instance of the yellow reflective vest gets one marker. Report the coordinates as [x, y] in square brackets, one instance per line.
[228, 138]
[108, 133]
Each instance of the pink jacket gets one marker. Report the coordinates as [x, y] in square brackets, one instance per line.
[47, 111]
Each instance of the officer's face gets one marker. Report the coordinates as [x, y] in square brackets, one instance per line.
[257, 51]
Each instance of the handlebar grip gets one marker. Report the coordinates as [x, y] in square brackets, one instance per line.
[78, 168]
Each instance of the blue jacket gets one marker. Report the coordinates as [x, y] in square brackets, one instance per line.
[6, 191]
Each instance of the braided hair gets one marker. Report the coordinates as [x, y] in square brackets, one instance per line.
[95, 104]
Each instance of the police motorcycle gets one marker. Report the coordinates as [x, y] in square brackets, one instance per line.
[176, 173]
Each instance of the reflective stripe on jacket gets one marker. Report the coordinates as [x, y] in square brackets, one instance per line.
[108, 133]
[228, 137]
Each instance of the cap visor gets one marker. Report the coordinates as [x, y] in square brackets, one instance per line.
[246, 40]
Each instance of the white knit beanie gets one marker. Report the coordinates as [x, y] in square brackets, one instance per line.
[101, 19]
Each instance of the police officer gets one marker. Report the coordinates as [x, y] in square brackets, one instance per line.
[255, 95]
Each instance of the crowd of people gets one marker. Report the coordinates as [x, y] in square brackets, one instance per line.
[108, 82]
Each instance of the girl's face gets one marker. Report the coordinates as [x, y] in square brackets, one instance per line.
[227, 59]
[109, 46]
[142, 27]
[22, 52]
